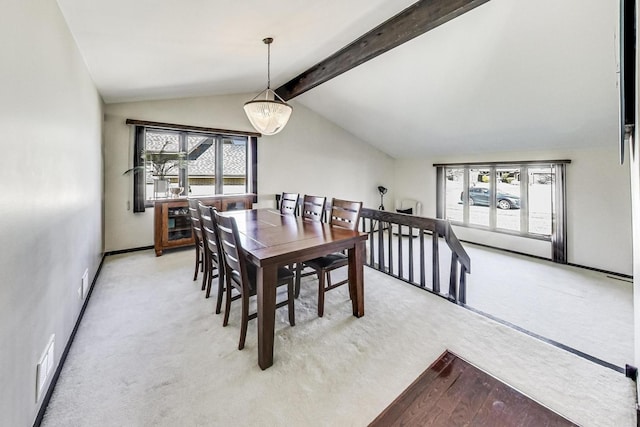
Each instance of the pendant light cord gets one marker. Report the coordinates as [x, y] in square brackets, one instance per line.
[268, 65]
[276, 97]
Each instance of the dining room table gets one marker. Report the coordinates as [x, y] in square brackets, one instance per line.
[271, 240]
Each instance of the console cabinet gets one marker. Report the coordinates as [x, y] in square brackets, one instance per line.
[172, 224]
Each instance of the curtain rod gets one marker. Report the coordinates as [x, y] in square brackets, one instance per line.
[514, 163]
[173, 126]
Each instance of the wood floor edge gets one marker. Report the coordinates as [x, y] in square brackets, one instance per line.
[514, 388]
[447, 387]
[386, 417]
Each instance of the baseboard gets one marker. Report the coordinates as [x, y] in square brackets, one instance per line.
[619, 276]
[63, 357]
[554, 343]
[126, 251]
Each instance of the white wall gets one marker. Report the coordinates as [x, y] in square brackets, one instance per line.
[51, 168]
[598, 205]
[311, 155]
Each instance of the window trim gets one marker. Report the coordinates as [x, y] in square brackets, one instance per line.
[140, 202]
[558, 236]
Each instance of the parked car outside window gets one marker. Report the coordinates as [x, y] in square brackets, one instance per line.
[479, 196]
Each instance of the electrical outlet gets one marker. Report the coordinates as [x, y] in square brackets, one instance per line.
[45, 367]
[85, 283]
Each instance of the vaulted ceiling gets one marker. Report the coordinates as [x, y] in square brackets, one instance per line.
[508, 75]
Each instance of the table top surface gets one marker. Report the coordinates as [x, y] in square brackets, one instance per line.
[270, 237]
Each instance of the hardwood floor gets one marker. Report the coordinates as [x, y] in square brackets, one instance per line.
[452, 392]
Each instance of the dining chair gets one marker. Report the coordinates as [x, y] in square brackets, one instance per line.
[241, 276]
[345, 214]
[289, 203]
[313, 207]
[312, 210]
[196, 230]
[213, 253]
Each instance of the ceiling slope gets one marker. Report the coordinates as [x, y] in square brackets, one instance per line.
[509, 75]
[415, 20]
[144, 49]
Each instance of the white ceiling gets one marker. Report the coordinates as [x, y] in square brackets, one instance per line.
[509, 75]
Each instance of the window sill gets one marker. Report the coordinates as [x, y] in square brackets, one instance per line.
[542, 237]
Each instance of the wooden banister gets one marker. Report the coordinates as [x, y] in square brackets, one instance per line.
[388, 233]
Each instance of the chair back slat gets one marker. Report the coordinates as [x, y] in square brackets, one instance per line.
[229, 239]
[345, 214]
[209, 232]
[313, 207]
[194, 213]
[289, 203]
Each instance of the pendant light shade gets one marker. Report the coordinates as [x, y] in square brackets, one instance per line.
[267, 112]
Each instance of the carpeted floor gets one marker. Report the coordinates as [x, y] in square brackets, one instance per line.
[150, 352]
[588, 311]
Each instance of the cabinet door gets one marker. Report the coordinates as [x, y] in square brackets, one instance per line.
[178, 223]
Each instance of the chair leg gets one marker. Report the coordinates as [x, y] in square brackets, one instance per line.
[220, 288]
[321, 274]
[205, 271]
[210, 268]
[298, 273]
[227, 307]
[195, 273]
[291, 303]
[245, 320]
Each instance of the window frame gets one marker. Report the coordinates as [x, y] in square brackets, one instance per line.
[557, 237]
[140, 127]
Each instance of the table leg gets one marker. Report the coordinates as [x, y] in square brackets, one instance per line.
[356, 278]
[266, 289]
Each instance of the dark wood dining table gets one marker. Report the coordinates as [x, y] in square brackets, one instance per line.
[271, 239]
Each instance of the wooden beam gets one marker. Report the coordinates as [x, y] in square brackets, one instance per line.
[415, 20]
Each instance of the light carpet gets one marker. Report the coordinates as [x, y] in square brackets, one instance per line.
[589, 311]
[150, 352]
[586, 310]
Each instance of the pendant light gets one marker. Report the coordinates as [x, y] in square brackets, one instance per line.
[269, 113]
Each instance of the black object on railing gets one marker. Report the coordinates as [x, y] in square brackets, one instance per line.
[389, 229]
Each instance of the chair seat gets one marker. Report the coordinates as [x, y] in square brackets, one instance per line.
[284, 274]
[344, 214]
[328, 261]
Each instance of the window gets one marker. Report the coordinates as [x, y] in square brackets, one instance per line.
[454, 187]
[171, 158]
[541, 182]
[477, 198]
[521, 198]
[508, 196]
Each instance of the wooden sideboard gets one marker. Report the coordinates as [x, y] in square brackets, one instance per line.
[172, 224]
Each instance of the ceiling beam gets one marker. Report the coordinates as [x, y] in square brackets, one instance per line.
[415, 20]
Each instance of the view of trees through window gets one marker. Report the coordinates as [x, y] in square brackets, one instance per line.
[200, 164]
[510, 198]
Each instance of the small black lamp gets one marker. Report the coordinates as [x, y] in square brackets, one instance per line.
[382, 191]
